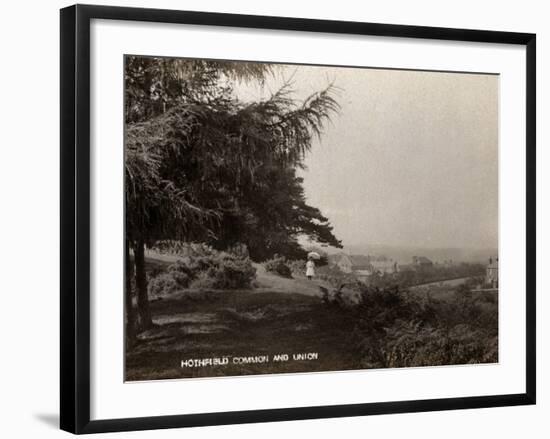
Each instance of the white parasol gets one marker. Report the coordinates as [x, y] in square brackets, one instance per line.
[314, 255]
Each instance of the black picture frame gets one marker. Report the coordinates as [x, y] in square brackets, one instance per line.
[75, 217]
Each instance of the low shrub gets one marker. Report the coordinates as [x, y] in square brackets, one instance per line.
[162, 285]
[210, 270]
[297, 266]
[279, 266]
[224, 271]
[183, 271]
[219, 270]
[335, 276]
[393, 328]
[410, 344]
[182, 249]
[488, 297]
[203, 281]
[177, 277]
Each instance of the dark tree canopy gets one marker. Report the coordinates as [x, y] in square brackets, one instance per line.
[202, 165]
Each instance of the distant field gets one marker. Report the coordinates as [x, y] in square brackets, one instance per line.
[446, 283]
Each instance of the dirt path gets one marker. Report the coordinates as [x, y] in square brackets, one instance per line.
[268, 282]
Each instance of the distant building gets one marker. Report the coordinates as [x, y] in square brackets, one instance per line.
[351, 263]
[421, 262]
[383, 265]
[491, 273]
[418, 263]
[364, 266]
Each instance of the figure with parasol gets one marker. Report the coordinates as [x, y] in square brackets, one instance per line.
[310, 264]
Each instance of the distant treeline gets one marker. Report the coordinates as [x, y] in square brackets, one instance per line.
[424, 275]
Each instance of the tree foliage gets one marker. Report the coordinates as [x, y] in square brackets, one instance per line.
[202, 165]
[210, 167]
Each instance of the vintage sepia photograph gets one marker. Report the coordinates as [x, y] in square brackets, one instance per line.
[288, 218]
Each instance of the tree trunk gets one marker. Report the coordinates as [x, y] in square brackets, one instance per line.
[129, 303]
[144, 312]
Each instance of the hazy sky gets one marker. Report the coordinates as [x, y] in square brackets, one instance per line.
[412, 159]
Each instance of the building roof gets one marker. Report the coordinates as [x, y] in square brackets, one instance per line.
[365, 263]
[423, 260]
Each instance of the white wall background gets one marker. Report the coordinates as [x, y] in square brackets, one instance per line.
[29, 248]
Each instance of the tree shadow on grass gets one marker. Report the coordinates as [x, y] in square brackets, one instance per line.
[241, 324]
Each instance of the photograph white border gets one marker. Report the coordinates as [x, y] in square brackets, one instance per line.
[112, 398]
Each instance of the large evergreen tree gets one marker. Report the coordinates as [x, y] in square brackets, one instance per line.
[202, 165]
